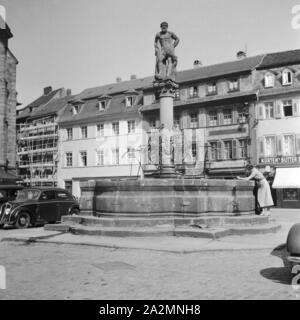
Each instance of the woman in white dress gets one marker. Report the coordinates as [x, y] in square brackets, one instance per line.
[264, 196]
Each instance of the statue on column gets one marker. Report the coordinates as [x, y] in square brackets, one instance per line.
[166, 60]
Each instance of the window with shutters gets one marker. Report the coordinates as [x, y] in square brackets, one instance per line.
[193, 92]
[269, 110]
[176, 121]
[100, 129]
[82, 158]
[69, 159]
[131, 126]
[213, 151]
[100, 157]
[243, 146]
[242, 118]
[227, 117]
[212, 88]
[69, 133]
[233, 85]
[269, 80]
[194, 120]
[228, 150]
[270, 146]
[288, 108]
[115, 156]
[213, 119]
[177, 94]
[115, 127]
[287, 77]
[84, 132]
[288, 145]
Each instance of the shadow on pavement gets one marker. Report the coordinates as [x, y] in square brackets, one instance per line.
[279, 274]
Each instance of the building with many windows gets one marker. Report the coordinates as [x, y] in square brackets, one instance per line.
[277, 127]
[211, 108]
[228, 114]
[101, 134]
[37, 138]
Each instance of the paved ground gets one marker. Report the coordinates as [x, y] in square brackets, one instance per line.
[46, 270]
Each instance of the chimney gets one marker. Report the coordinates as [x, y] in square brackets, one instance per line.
[47, 90]
[241, 55]
[197, 64]
[133, 77]
[69, 92]
[118, 79]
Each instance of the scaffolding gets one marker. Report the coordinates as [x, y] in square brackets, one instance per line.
[37, 151]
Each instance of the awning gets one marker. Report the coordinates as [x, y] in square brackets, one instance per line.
[287, 178]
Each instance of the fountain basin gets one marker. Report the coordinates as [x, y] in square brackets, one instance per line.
[167, 197]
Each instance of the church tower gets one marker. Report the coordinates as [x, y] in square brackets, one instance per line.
[8, 102]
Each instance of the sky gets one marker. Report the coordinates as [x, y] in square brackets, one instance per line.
[80, 44]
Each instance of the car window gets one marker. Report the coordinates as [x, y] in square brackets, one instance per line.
[62, 195]
[47, 195]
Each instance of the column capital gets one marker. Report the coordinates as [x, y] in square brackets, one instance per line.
[166, 88]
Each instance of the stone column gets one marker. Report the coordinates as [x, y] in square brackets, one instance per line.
[166, 89]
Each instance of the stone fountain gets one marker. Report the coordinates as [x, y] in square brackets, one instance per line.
[167, 203]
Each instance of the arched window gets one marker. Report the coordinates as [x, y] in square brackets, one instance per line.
[269, 80]
[287, 77]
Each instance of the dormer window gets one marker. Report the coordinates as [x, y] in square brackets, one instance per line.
[129, 101]
[233, 85]
[130, 97]
[76, 108]
[287, 77]
[103, 102]
[102, 105]
[269, 80]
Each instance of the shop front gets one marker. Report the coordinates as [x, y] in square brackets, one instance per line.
[287, 185]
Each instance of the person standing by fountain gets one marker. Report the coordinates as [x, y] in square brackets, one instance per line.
[264, 196]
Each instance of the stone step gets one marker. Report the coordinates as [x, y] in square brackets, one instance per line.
[204, 221]
[165, 230]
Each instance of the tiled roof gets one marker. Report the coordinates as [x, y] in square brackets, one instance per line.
[204, 72]
[53, 107]
[280, 59]
[116, 108]
[45, 98]
[220, 69]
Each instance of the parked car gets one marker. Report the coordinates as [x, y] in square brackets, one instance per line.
[293, 245]
[8, 193]
[38, 206]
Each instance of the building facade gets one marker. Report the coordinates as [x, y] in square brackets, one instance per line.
[277, 129]
[8, 102]
[101, 135]
[211, 109]
[38, 138]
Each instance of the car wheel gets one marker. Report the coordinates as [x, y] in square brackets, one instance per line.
[23, 220]
[74, 211]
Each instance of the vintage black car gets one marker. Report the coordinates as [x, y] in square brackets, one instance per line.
[35, 206]
[8, 193]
